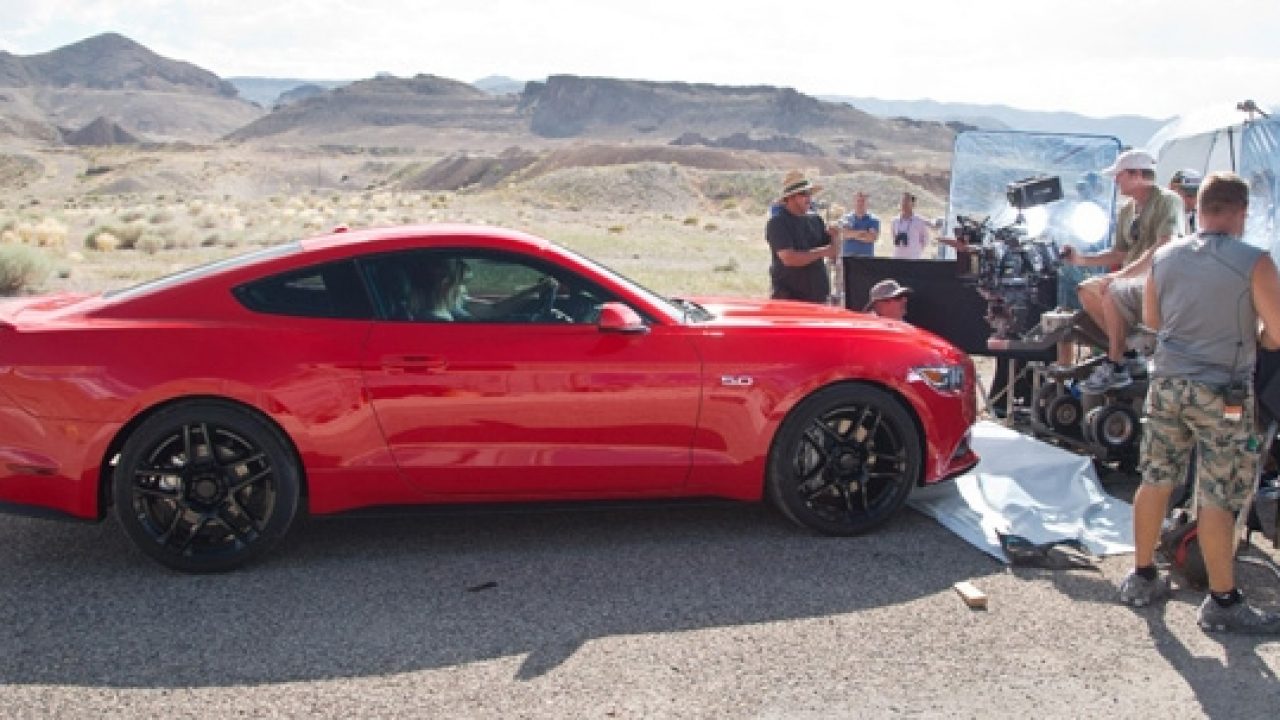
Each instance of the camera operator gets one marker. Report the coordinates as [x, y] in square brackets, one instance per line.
[800, 242]
[1114, 300]
[1205, 294]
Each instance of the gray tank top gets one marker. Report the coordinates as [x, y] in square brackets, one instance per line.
[1208, 325]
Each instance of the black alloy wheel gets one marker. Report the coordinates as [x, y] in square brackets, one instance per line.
[845, 460]
[204, 486]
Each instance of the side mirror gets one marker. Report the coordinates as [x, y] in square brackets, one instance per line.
[616, 317]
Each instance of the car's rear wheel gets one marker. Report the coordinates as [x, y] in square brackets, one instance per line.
[205, 486]
[845, 460]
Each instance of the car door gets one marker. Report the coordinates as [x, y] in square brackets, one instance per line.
[521, 394]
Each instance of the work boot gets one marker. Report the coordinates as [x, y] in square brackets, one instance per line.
[1239, 617]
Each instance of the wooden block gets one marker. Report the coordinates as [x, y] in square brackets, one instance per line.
[973, 597]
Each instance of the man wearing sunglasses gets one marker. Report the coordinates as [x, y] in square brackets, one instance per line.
[800, 242]
[1147, 221]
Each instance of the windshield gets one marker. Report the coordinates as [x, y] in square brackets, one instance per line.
[670, 309]
[985, 163]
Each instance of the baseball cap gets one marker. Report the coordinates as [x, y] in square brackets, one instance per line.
[1131, 160]
[886, 290]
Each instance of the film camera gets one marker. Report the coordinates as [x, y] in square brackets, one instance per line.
[1014, 273]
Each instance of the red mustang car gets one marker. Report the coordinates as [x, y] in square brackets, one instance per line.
[454, 364]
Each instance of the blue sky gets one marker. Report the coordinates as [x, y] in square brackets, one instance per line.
[1147, 57]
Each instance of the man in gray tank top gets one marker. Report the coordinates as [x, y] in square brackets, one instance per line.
[1205, 296]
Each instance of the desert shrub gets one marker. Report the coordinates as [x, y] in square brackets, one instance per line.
[129, 216]
[711, 227]
[691, 220]
[150, 243]
[21, 267]
[730, 266]
[103, 239]
[617, 229]
[46, 233]
[129, 235]
[160, 217]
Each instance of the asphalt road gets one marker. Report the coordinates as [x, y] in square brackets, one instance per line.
[714, 611]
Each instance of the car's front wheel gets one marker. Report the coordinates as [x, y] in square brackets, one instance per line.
[845, 460]
[205, 486]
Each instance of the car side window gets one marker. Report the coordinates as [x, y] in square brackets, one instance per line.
[331, 290]
[478, 287]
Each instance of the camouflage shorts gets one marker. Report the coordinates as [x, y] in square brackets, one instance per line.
[1181, 415]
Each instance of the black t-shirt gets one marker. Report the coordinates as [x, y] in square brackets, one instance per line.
[798, 232]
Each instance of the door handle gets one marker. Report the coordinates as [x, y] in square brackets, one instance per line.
[414, 363]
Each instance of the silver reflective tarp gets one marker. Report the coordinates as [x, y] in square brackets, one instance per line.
[1028, 488]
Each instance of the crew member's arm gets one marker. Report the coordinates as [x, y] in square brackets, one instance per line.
[800, 258]
[1264, 283]
[1150, 302]
[1142, 265]
[1106, 258]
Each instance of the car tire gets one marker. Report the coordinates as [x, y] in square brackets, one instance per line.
[205, 486]
[845, 460]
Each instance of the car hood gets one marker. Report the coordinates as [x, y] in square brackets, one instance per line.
[743, 310]
[762, 314]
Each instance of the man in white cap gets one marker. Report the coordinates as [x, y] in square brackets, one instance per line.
[888, 299]
[800, 242]
[1114, 300]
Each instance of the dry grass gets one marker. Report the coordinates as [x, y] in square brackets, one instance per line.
[674, 229]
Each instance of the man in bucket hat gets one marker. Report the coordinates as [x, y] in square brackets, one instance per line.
[800, 242]
[888, 299]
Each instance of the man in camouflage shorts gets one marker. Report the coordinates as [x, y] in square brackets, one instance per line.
[1205, 296]
[1182, 414]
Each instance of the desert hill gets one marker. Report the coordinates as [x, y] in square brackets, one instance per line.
[113, 77]
[432, 112]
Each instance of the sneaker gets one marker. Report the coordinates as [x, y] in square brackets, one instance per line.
[1137, 591]
[1239, 618]
[1136, 367]
[1106, 377]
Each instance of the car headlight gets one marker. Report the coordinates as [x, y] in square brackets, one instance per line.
[943, 378]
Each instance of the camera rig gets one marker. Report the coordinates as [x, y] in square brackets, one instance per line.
[1015, 274]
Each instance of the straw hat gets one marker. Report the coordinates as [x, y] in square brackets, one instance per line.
[796, 182]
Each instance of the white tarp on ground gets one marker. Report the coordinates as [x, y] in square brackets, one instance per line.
[1028, 488]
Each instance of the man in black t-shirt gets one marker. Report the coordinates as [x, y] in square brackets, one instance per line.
[800, 242]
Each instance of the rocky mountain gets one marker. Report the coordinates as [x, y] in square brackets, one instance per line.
[269, 92]
[427, 110]
[500, 85]
[109, 62]
[1129, 129]
[115, 78]
[99, 132]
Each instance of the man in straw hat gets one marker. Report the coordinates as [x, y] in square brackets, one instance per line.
[800, 242]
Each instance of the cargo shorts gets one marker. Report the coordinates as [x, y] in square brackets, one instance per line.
[1183, 414]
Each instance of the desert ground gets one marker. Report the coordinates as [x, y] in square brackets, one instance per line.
[687, 612]
[96, 219]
